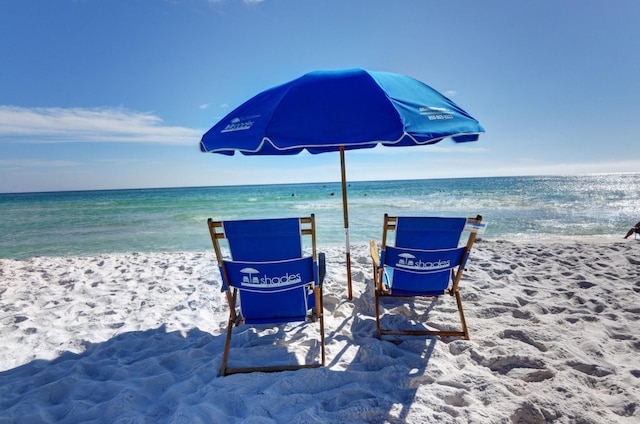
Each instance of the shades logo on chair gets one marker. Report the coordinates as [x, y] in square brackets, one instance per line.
[252, 278]
[409, 261]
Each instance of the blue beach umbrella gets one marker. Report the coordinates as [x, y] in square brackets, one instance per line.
[328, 111]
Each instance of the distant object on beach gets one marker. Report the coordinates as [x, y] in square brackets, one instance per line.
[635, 229]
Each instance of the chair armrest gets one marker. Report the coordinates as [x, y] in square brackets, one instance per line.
[375, 256]
[322, 267]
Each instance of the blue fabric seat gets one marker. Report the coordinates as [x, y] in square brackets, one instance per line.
[267, 278]
[425, 259]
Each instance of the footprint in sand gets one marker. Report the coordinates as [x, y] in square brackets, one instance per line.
[458, 400]
[523, 337]
[531, 413]
[590, 369]
[633, 261]
[585, 285]
[187, 289]
[504, 364]
[520, 314]
[525, 368]
[330, 302]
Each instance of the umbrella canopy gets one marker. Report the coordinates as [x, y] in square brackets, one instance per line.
[325, 111]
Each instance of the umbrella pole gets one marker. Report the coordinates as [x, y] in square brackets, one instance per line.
[346, 220]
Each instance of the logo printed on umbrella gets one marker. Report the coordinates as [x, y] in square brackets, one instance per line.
[251, 279]
[435, 113]
[407, 260]
[237, 125]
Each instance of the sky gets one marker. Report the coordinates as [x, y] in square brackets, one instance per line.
[109, 94]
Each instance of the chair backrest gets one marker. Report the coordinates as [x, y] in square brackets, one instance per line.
[267, 267]
[428, 232]
[424, 252]
[264, 239]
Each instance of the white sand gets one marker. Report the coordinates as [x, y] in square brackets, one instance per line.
[138, 338]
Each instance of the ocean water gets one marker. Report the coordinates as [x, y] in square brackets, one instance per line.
[154, 220]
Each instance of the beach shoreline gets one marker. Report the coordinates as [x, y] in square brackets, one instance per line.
[139, 337]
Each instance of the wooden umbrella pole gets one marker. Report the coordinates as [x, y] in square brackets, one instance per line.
[346, 220]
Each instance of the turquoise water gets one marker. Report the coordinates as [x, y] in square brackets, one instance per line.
[153, 220]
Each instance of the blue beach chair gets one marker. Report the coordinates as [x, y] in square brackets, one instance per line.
[267, 279]
[425, 260]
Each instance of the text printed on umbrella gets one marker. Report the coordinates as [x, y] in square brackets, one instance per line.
[238, 124]
[436, 113]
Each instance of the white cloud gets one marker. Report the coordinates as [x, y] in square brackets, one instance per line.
[57, 125]
[36, 163]
[560, 168]
[445, 146]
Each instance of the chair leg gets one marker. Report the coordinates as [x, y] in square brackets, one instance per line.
[227, 343]
[324, 357]
[441, 333]
[224, 370]
[462, 319]
[318, 292]
[377, 299]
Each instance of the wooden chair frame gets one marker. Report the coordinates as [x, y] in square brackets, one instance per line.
[307, 227]
[380, 291]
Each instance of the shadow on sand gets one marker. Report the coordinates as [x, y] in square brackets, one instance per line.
[161, 376]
